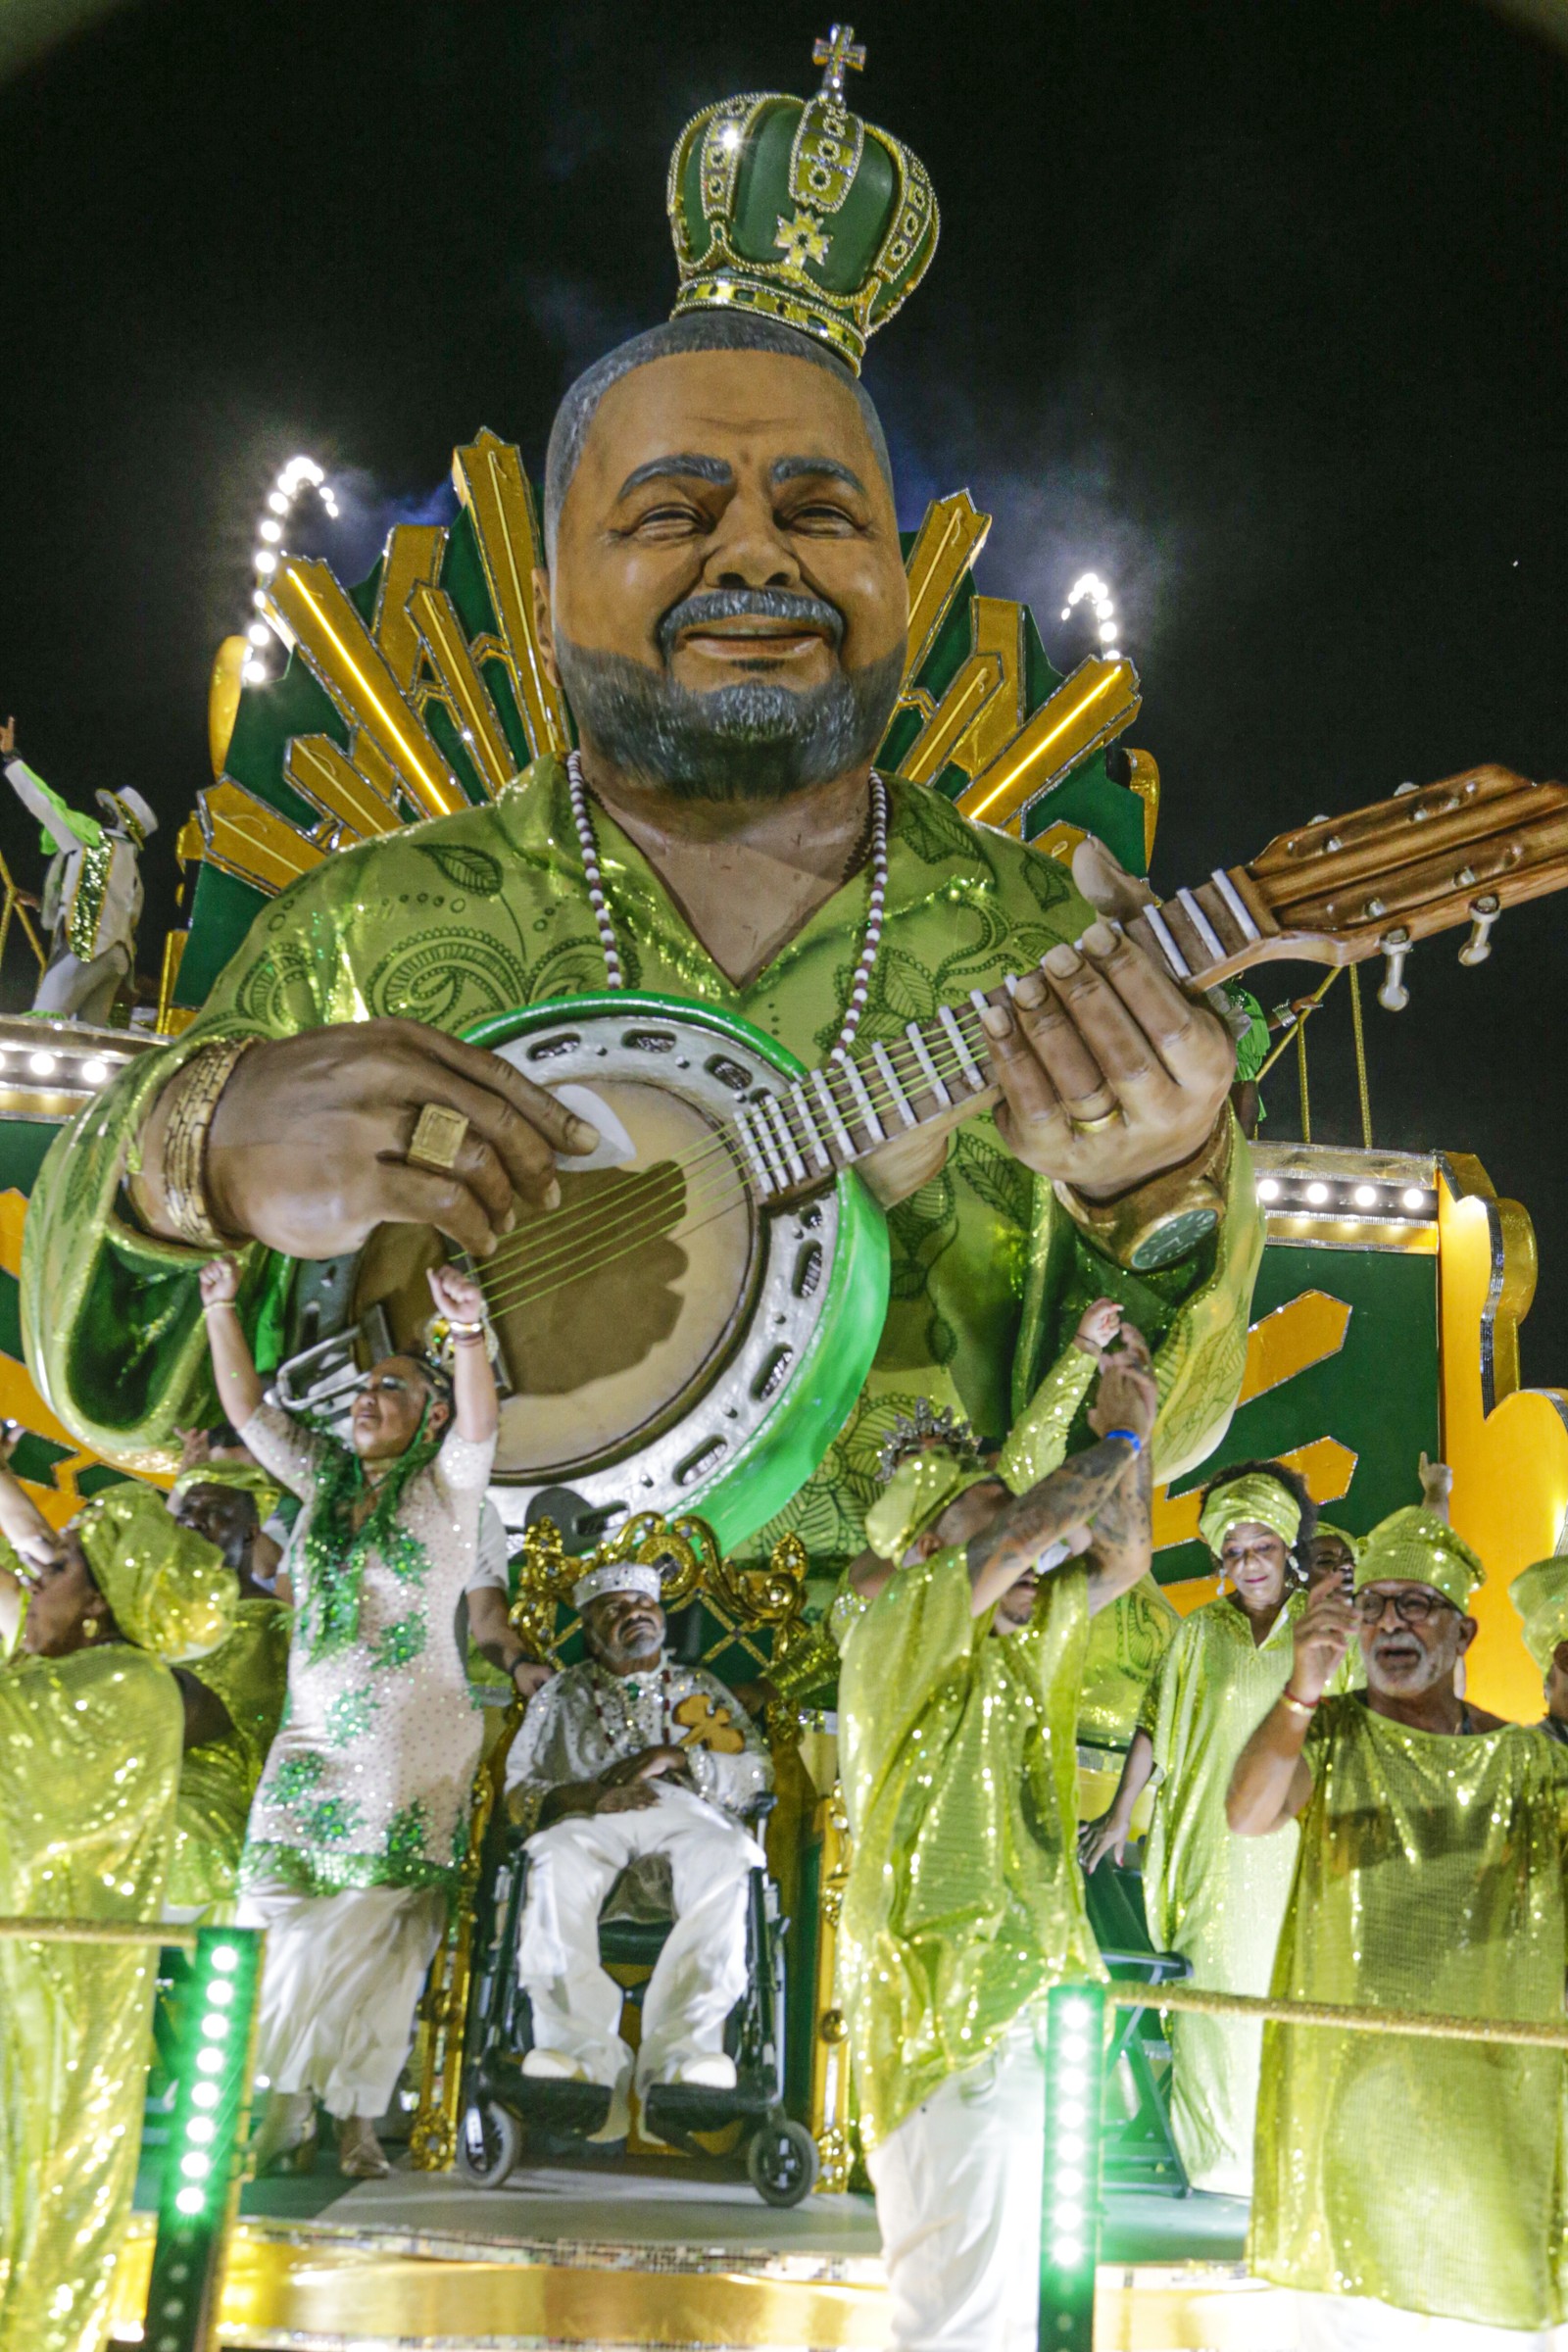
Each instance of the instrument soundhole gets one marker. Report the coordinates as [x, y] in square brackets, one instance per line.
[732, 1074]
[551, 1049]
[616, 1310]
[647, 1040]
[809, 1271]
[772, 1373]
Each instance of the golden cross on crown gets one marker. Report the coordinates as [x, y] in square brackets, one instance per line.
[838, 55]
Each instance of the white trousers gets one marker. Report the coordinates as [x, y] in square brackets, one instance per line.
[1356, 2323]
[701, 1973]
[342, 1980]
[958, 2203]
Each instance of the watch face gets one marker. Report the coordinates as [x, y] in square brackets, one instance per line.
[1172, 1237]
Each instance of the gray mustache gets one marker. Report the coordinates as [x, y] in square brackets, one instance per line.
[748, 604]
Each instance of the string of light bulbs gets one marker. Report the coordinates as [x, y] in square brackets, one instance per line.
[298, 475]
[1091, 587]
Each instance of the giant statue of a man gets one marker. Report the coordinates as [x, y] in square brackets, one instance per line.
[725, 609]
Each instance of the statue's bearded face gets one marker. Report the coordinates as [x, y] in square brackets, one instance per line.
[727, 611]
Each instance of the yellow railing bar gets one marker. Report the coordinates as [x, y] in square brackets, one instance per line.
[99, 1931]
[1525, 2032]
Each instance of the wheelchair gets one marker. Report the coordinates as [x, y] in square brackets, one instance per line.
[502, 2106]
[720, 1616]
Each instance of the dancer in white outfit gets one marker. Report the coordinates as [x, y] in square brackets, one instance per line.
[359, 1820]
[636, 1770]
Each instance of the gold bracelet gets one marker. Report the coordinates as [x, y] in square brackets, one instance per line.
[1302, 1706]
[1164, 1219]
[197, 1088]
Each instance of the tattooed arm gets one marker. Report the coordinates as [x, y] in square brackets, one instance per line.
[1062, 1506]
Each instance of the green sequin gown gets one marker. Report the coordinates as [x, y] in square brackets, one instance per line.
[89, 1765]
[965, 1899]
[1427, 2174]
[248, 1673]
[467, 916]
[1217, 1899]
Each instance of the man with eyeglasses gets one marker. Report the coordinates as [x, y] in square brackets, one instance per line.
[1410, 2190]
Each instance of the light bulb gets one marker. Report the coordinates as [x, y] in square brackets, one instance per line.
[205, 2094]
[196, 2166]
[1413, 1197]
[258, 632]
[94, 1072]
[277, 502]
[1317, 1194]
[1268, 1188]
[189, 2200]
[1366, 1196]
[1108, 632]
[226, 1958]
[253, 673]
[271, 532]
[266, 560]
[42, 1065]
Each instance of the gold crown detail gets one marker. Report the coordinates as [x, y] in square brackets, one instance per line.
[798, 210]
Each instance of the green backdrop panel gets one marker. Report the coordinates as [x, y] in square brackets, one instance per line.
[1379, 1396]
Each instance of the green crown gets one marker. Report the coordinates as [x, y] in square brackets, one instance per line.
[796, 209]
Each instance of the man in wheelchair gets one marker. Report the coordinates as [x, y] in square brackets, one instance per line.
[634, 1774]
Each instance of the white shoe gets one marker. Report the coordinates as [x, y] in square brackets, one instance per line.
[711, 2073]
[553, 2066]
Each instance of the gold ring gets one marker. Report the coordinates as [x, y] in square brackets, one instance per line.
[1107, 1118]
[438, 1137]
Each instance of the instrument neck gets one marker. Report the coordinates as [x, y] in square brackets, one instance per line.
[802, 1138]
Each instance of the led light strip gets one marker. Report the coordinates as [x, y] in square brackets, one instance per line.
[207, 2139]
[296, 474]
[1069, 2213]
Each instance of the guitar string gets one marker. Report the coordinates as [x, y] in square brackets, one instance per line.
[633, 1228]
[548, 1243]
[584, 1222]
[522, 1260]
[598, 1219]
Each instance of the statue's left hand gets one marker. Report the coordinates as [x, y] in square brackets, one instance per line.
[1109, 1074]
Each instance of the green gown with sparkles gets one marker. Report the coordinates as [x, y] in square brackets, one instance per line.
[248, 1673]
[89, 1765]
[965, 1900]
[1212, 1896]
[1429, 2175]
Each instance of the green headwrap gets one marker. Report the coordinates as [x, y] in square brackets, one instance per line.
[1414, 1546]
[1541, 1597]
[248, 1477]
[1254, 1499]
[170, 1590]
[918, 1492]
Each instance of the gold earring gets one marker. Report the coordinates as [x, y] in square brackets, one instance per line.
[89, 1629]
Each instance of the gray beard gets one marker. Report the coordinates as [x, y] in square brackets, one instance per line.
[748, 742]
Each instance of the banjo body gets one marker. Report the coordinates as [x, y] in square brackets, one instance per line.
[681, 1346]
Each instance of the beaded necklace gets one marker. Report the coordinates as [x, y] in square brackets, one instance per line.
[631, 1691]
[615, 971]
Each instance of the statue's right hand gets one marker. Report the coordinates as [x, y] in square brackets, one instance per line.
[308, 1149]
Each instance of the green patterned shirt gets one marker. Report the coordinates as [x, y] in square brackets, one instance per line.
[469, 915]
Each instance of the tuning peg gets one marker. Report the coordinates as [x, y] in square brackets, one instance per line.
[1393, 995]
[1478, 947]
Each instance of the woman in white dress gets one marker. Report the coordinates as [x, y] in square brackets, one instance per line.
[361, 1818]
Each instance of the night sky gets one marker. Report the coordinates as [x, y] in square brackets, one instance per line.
[1258, 309]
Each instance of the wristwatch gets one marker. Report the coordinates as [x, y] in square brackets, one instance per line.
[1164, 1219]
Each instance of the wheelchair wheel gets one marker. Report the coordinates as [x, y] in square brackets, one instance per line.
[489, 2144]
[782, 2162]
